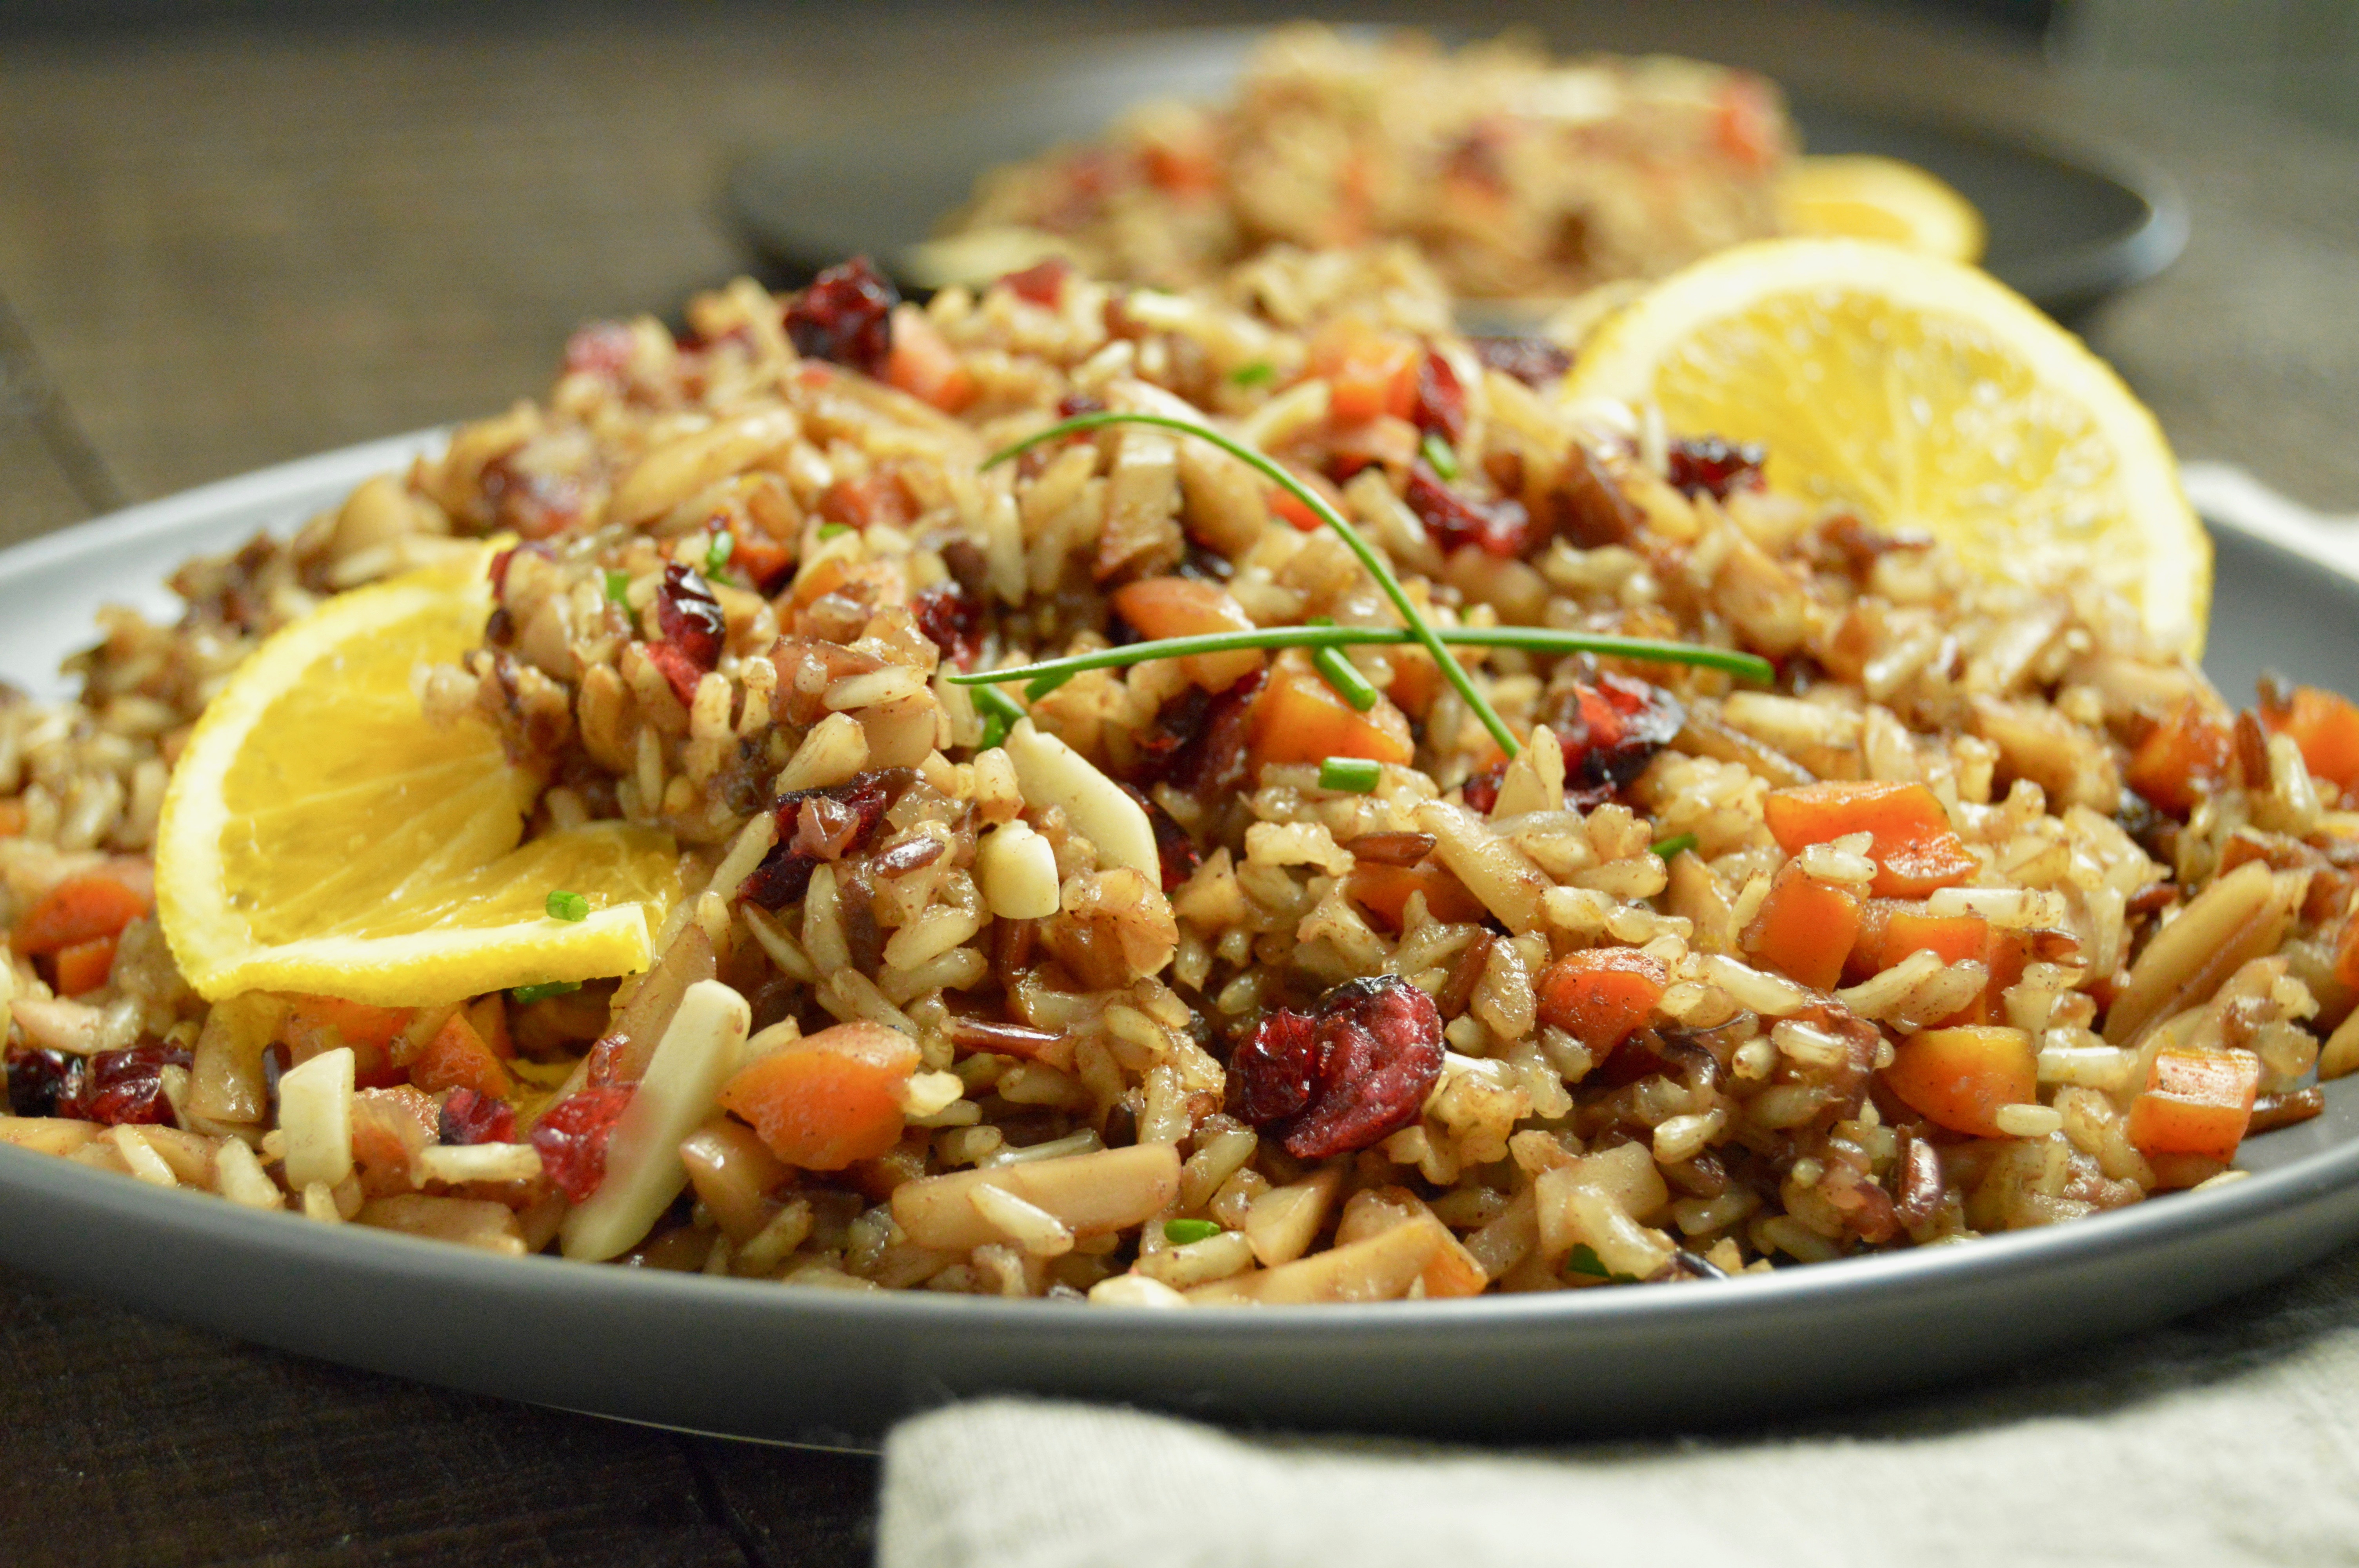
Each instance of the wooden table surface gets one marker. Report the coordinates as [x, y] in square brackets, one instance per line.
[223, 247]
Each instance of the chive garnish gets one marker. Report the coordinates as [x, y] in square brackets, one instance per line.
[717, 554]
[525, 996]
[1346, 677]
[1352, 775]
[1532, 639]
[618, 587]
[1270, 468]
[1439, 454]
[1676, 845]
[833, 531]
[1000, 712]
[1180, 1232]
[1585, 1260]
[564, 905]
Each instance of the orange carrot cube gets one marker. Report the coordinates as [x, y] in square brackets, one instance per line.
[1298, 718]
[829, 1100]
[1601, 995]
[1804, 929]
[1911, 839]
[2196, 1102]
[1960, 1077]
[457, 1058]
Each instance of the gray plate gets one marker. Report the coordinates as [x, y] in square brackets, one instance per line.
[816, 1366]
[2068, 225]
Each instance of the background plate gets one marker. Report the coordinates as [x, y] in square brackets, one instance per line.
[835, 1369]
[2068, 225]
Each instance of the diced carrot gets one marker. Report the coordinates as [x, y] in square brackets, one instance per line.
[829, 1100]
[881, 582]
[84, 966]
[1384, 893]
[2182, 758]
[1291, 507]
[12, 819]
[1910, 841]
[875, 496]
[1960, 1077]
[1891, 929]
[317, 1023]
[1746, 123]
[1298, 718]
[1601, 995]
[923, 365]
[1805, 928]
[1416, 680]
[79, 909]
[2195, 1102]
[2346, 954]
[457, 1058]
[2326, 727]
[1183, 170]
[1159, 606]
[756, 559]
[489, 1015]
[1367, 373]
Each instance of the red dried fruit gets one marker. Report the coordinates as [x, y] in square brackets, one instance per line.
[1042, 283]
[1501, 527]
[846, 821]
[951, 619]
[120, 1088]
[1073, 404]
[693, 630]
[604, 1063]
[1346, 1077]
[535, 504]
[1176, 854]
[468, 1117]
[1482, 790]
[1273, 1068]
[38, 1077]
[1707, 463]
[1609, 732]
[846, 315]
[572, 1137]
[1589, 508]
[499, 571]
[1212, 763]
[1535, 362]
[1440, 409]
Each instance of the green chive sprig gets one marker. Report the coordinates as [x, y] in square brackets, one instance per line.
[1419, 627]
[1531, 639]
[1350, 775]
[1675, 846]
[618, 587]
[999, 712]
[564, 905]
[525, 996]
[1181, 1232]
[1439, 454]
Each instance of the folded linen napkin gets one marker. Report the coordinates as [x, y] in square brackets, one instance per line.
[2228, 1438]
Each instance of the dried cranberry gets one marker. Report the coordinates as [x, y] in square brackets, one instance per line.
[1609, 732]
[1482, 790]
[1272, 1070]
[693, 630]
[786, 872]
[1501, 527]
[846, 315]
[470, 1118]
[500, 563]
[572, 1137]
[1212, 763]
[1475, 160]
[1073, 404]
[533, 503]
[1535, 362]
[1345, 1078]
[1440, 409]
[1042, 283]
[37, 1078]
[951, 619]
[121, 1086]
[1178, 722]
[1707, 463]
[1176, 854]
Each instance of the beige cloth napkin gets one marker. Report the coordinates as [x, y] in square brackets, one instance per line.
[2229, 1438]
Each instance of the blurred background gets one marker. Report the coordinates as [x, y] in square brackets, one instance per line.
[231, 234]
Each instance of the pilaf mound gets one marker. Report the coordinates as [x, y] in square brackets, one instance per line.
[1986, 913]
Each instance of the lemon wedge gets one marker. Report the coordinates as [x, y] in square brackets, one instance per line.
[1920, 393]
[320, 834]
[1859, 196]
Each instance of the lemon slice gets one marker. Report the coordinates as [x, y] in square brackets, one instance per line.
[1861, 197]
[319, 834]
[1921, 394]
